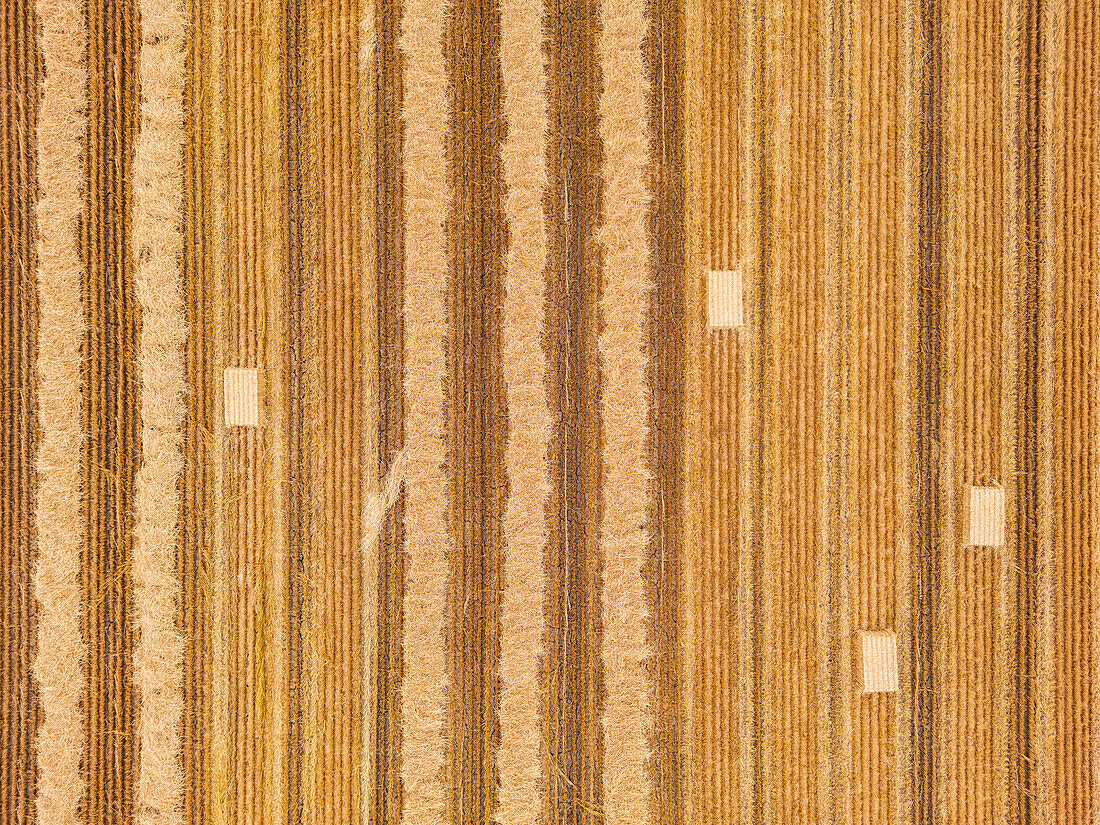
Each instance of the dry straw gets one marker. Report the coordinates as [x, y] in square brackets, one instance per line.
[428, 544]
[521, 794]
[624, 533]
[59, 666]
[158, 181]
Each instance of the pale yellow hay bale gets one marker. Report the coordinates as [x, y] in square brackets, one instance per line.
[724, 304]
[987, 517]
[880, 661]
[242, 397]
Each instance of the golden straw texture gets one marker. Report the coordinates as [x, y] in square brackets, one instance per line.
[158, 190]
[423, 691]
[627, 723]
[523, 625]
[62, 650]
[549, 412]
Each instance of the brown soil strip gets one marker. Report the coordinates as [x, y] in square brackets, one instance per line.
[20, 88]
[574, 678]
[522, 792]
[387, 135]
[113, 451]
[299, 452]
[477, 416]
[1074, 202]
[198, 482]
[666, 323]
[926, 388]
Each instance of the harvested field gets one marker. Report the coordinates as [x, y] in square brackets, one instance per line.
[549, 413]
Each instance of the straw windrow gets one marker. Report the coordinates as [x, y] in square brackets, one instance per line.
[522, 791]
[59, 666]
[428, 543]
[624, 532]
[157, 219]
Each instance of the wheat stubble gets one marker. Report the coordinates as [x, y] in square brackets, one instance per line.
[522, 790]
[254, 458]
[573, 675]
[385, 130]
[666, 328]
[971, 734]
[342, 418]
[875, 280]
[989, 301]
[198, 479]
[20, 714]
[110, 378]
[1069, 679]
[797, 334]
[477, 416]
[724, 197]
